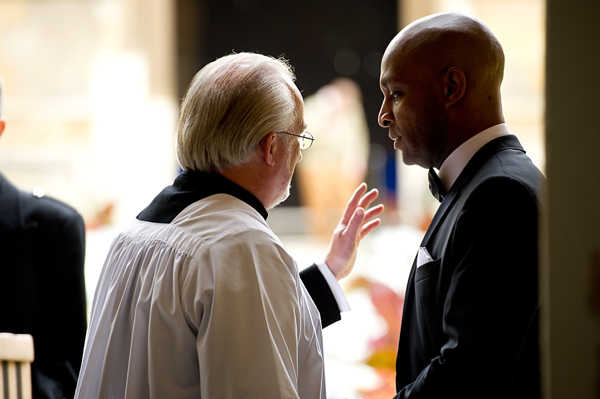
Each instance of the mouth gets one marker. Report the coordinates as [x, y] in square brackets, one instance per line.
[396, 139]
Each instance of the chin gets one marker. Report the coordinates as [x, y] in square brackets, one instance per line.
[415, 160]
[407, 159]
[284, 195]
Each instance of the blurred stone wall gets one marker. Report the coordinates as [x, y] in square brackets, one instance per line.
[90, 101]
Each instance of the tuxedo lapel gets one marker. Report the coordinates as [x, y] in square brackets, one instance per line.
[439, 216]
[487, 151]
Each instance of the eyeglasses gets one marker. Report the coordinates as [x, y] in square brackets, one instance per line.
[305, 138]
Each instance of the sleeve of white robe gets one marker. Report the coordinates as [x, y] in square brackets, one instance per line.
[242, 295]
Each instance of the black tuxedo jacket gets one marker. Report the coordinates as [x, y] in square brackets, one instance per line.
[42, 290]
[470, 319]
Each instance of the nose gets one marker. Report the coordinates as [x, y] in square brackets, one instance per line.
[300, 157]
[385, 116]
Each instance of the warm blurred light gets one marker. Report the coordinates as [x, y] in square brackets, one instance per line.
[91, 122]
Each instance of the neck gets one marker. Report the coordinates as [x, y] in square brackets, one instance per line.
[468, 124]
[251, 176]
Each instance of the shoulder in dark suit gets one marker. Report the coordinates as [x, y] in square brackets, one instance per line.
[470, 321]
[42, 289]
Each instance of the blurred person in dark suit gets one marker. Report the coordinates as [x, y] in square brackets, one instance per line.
[42, 288]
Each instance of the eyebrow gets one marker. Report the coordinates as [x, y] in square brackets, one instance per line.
[384, 82]
[388, 80]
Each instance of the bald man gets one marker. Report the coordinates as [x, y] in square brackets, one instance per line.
[470, 321]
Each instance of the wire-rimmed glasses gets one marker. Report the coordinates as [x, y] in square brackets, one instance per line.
[305, 138]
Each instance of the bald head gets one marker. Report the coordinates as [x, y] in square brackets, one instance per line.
[441, 41]
[441, 78]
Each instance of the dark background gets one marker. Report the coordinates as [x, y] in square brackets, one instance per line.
[322, 39]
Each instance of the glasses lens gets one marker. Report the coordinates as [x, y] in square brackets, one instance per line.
[303, 143]
[305, 140]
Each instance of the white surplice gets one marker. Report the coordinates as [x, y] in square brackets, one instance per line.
[208, 306]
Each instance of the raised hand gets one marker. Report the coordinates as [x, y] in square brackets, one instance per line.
[355, 224]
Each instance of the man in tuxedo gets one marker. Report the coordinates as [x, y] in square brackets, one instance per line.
[42, 288]
[470, 319]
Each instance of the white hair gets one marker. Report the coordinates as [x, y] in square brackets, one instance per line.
[230, 106]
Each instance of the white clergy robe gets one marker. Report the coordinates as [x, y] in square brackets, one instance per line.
[209, 305]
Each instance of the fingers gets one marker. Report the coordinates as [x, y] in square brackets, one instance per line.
[355, 212]
[369, 227]
[357, 220]
[368, 198]
[362, 223]
[374, 212]
[353, 202]
[370, 222]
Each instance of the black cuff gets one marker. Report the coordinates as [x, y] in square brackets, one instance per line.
[321, 294]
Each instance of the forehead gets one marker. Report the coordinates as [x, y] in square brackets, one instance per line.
[394, 69]
[410, 61]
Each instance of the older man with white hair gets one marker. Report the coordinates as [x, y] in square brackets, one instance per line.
[198, 297]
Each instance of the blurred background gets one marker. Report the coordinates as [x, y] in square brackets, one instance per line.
[93, 88]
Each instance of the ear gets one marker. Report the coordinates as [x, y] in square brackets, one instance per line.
[267, 148]
[455, 85]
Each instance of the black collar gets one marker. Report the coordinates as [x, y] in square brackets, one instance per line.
[192, 186]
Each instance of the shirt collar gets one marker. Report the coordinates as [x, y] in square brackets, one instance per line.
[215, 183]
[192, 186]
[458, 159]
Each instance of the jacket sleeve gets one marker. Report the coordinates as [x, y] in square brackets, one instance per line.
[62, 298]
[72, 255]
[492, 299]
[321, 294]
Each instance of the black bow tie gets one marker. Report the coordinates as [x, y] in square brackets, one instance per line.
[436, 186]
